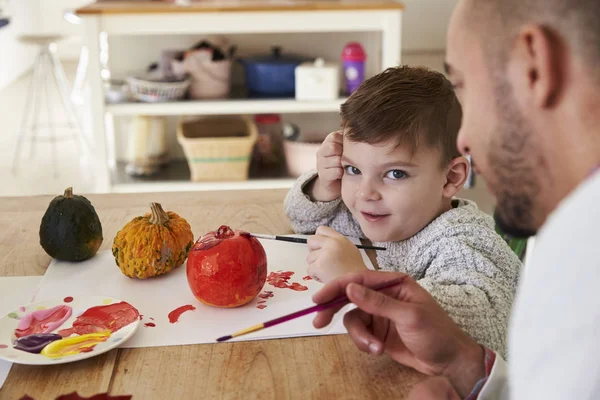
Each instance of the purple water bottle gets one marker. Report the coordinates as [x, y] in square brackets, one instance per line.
[354, 58]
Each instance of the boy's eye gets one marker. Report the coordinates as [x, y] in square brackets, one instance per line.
[350, 170]
[396, 174]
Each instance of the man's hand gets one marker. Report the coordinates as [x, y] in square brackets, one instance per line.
[328, 184]
[437, 388]
[332, 255]
[407, 323]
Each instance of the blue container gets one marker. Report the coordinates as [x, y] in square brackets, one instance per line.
[271, 75]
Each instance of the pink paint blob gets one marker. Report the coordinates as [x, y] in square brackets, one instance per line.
[307, 278]
[43, 321]
[149, 325]
[22, 309]
[261, 306]
[3, 346]
[68, 299]
[176, 313]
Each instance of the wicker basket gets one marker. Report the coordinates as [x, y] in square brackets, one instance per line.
[218, 148]
[154, 92]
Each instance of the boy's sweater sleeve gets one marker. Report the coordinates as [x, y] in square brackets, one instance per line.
[306, 215]
[476, 289]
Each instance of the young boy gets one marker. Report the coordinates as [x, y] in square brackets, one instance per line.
[390, 176]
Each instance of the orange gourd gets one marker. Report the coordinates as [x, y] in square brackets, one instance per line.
[152, 244]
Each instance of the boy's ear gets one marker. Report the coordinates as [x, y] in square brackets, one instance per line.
[457, 172]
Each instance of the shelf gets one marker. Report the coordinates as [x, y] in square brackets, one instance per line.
[176, 178]
[226, 107]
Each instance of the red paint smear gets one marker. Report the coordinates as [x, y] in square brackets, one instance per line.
[176, 313]
[86, 349]
[280, 279]
[261, 306]
[3, 346]
[262, 301]
[68, 299]
[141, 316]
[111, 317]
[307, 278]
[267, 294]
[149, 324]
[152, 318]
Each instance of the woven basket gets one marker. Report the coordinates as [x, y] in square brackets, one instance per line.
[218, 148]
[154, 92]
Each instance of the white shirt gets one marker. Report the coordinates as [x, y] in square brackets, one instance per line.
[554, 339]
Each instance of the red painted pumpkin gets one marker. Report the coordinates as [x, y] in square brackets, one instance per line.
[226, 268]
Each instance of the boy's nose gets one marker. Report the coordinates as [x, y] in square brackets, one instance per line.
[368, 191]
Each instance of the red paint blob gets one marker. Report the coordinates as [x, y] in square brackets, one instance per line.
[280, 279]
[3, 346]
[267, 294]
[86, 349]
[176, 313]
[68, 299]
[149, 324]
[261, 306]
[152, 318]
[307, 278]
[111, 317]
[262, 301]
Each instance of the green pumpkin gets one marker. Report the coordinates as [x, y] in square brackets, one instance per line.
[70, 229]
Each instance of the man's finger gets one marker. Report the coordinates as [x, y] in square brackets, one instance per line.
[365, 278]
[375, 303]
[437, 388]
[357, 323]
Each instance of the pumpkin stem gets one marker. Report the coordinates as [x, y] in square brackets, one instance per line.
[68, 193]
[159, 216]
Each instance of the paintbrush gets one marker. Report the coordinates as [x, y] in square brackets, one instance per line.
[303, 240]
[338, 301]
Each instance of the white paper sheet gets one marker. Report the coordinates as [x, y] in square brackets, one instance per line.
[156, 297]
[16, 292]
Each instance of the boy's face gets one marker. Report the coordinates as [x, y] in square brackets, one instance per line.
[392, 193]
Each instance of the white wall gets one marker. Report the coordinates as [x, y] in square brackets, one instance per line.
[15, 57]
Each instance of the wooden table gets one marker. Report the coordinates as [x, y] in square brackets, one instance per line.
[299, 368]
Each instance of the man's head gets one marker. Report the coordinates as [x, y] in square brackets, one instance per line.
[401, 164]
[525, 73]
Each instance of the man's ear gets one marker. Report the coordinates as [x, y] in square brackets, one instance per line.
[457, 172]
[535, 67]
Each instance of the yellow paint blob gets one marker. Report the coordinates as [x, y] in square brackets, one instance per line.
[74, 345]
[107, 301]
[41, 308]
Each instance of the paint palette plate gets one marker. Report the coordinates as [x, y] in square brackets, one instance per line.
[79, 305]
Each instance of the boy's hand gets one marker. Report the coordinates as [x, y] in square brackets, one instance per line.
[327, 185]
[332, 255]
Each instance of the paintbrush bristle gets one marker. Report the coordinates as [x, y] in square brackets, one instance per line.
[224, 338]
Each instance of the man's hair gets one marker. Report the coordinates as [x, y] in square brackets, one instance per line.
[575, 21]
[413, 106]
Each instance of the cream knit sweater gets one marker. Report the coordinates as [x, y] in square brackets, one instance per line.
[459, 258]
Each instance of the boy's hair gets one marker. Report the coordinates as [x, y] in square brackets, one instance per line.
[413, 105]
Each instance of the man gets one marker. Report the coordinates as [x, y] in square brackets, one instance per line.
[525, 73]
